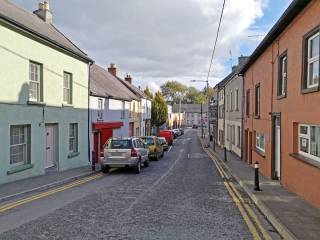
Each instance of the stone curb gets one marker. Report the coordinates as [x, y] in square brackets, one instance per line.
[48, 186]
[282, 229]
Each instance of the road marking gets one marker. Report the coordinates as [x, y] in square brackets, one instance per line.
[243, 207]
[12, 205]
[169, 149]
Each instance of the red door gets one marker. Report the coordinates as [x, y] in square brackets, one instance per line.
[101, 137]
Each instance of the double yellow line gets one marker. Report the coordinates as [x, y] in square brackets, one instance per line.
[246, 211]
[15, 204]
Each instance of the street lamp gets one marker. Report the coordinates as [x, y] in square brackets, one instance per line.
[208, 103]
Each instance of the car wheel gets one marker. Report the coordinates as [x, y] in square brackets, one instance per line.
[146, 163]
[138, 168]
[162, 154]
[105, 168]
[157, 157]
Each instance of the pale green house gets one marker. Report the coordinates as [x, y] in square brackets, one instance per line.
[44, 96]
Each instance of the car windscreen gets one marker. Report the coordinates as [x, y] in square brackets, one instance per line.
[119, 144]
[163, 140]
[148, 141]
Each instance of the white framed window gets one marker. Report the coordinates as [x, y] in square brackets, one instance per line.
[283, 76]
[236, 100]
[67, 88]
[34, 82]
[260, 141]
[233, 137]
[19, 145]
[313, 61]
[309, 141]
[73, 137]
[231, 101]
[100, 108]
[239, 137]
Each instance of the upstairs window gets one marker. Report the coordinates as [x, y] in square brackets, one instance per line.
[248, 103]
[257, 101]
[100, 108]
[311, 61]
[236, 100]
[67, 88]
[35, 76]
[282, 83]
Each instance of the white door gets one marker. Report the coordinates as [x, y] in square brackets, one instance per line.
[277, 154]
[50, 147]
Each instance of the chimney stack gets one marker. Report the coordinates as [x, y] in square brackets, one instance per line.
[128, 78]
[112, 69]
[234, 68]
[44, 12]
[242, 60]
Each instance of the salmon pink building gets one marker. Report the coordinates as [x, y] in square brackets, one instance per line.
[281, 113]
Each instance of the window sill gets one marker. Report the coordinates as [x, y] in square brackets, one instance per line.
[310, 90]
[19, 168]
[36, 103]
[281, 97]
[261, 153]
[305, 159]
[67, 105]
[72, 155]
[257, 117]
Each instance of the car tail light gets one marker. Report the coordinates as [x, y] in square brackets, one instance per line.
[134, 153]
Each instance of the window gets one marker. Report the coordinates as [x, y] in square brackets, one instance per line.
[100, 108]
[228, 132]
[233, 137]
[123, 110]
[309, 141]
[231, 101]
[19, 145]
[239, 137]
[282, 75]
[35, 75]
[236, 100]
[257, 101]
[67, 88]
[248, 103]
[73, 137]
[260, 141]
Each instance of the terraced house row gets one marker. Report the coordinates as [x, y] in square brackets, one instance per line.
[56, 106]
[280, 122]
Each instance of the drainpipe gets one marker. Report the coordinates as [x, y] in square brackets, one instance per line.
[89, 121]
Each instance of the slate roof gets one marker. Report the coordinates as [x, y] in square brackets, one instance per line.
[138, 92]
[104, 84]
[287, 17]
[32, 24]
[189, 108]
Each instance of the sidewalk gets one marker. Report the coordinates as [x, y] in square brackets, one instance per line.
[40, 183]
[289, 214]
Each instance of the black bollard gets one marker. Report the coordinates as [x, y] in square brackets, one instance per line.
[225, 154]
[93, 163]
[256, 177]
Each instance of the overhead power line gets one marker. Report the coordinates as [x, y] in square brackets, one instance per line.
[215, 43]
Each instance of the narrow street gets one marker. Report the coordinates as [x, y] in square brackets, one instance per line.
[182, 196]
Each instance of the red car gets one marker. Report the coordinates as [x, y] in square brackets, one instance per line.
[168, 135]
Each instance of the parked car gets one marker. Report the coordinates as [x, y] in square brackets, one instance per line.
[176, 132]
[181, 130]
[155, 147]
[164, 143]
[125, 152]
[194, 126]
[168, 135]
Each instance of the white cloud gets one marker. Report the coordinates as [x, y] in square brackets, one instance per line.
[155, 40]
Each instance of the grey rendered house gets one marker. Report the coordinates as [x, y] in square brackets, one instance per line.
[192, 114]
[44, 97]
[233, 110]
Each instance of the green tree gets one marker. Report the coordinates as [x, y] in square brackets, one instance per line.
[200, 98]
[148, 92]
[173, 91]
[192, 95]
[159, 110]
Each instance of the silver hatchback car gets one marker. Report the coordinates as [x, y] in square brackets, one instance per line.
[125, 152]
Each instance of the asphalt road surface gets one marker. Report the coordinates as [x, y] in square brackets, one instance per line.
[182, 196]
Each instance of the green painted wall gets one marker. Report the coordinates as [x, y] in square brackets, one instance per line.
[16, 51]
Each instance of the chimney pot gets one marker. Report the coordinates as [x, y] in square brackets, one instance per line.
[112, 69]
[128, 78]
[43, 12]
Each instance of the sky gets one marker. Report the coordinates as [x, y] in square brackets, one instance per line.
[157, 41]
